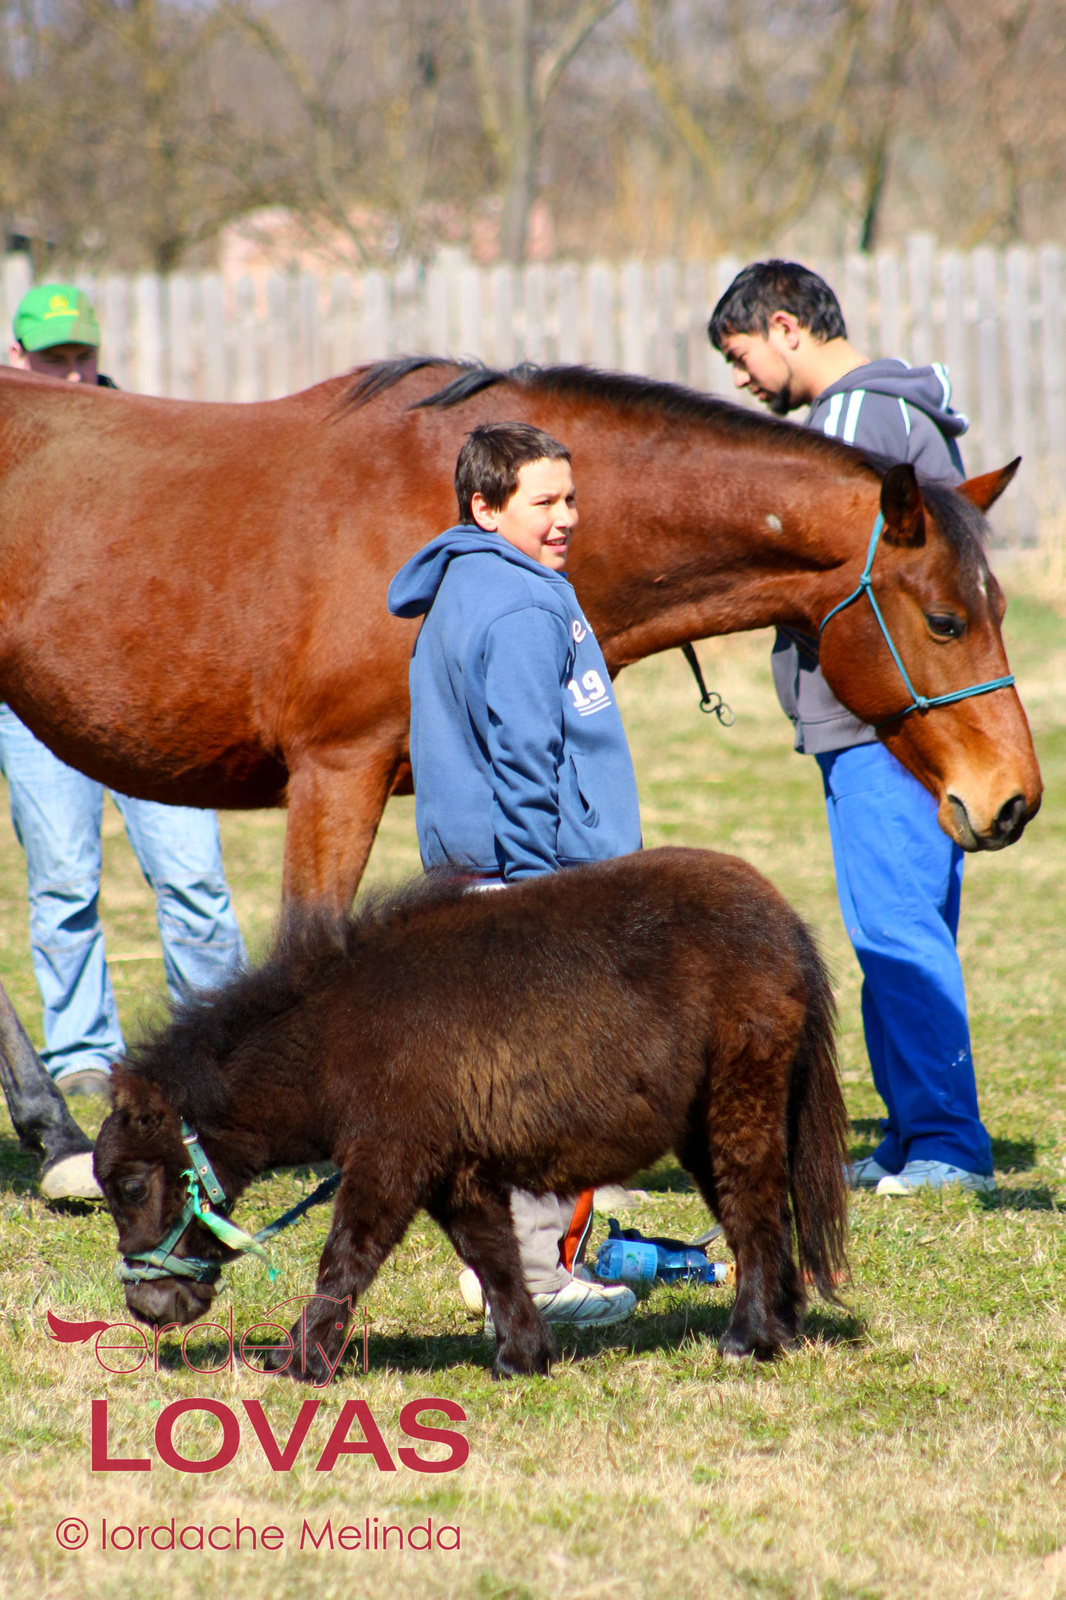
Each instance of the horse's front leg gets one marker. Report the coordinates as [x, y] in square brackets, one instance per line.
[335, 801]
[40, 1114]
[483, 1234]
[367, 1225]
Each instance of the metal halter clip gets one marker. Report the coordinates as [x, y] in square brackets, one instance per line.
[710, 699]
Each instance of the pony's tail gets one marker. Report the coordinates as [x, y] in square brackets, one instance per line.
[818, 1136]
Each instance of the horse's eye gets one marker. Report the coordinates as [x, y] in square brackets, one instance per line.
[944, 625]
[133, 1189]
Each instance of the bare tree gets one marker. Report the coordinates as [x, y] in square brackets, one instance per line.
[112, 142]
[133, 131]
[514, 120]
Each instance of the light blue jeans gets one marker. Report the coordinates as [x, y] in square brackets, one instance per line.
[57, 814]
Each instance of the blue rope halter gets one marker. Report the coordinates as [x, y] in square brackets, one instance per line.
[160, 1262]
[919, 702]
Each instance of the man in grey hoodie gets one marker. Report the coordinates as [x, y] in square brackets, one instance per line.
[899, 878]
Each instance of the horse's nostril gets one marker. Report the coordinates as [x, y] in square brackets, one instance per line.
[1010, 819]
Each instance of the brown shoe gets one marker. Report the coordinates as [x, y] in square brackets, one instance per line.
[90, 1080]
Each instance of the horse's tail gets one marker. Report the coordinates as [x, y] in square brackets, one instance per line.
[818, 1135]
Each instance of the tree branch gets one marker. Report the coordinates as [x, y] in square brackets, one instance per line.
[555, 60]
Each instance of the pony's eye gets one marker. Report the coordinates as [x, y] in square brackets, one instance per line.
[944, 625]
[133, 1189]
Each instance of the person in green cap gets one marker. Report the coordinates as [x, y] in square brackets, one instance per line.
[57, 814]
[57, 334]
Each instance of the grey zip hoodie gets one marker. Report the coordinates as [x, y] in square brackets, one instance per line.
[892, 410]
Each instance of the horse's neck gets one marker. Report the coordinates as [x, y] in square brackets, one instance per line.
[724, 539]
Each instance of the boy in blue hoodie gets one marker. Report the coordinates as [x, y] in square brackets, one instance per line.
[520, 759]
[899, 877]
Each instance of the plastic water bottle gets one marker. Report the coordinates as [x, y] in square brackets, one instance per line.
[641, 1261]
[692, 1266]
[627, 1260]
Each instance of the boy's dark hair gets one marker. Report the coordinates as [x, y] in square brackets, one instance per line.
[493, 456]
[769, 286]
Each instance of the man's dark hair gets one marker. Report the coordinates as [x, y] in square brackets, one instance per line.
[493, 456]
[769, 286]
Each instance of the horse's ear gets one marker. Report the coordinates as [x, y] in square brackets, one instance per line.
[901, 507]
[984, 491]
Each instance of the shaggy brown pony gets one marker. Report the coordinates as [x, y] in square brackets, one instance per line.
[443, 1046]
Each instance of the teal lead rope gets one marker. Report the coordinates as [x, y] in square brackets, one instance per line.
[227, 1232]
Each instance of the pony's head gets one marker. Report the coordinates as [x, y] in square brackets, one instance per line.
[141, 1161]
[967, 738]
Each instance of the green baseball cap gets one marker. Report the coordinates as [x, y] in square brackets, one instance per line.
[55, 313]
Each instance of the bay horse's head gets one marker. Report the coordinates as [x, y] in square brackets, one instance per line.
[141, 1161]
[917, 651]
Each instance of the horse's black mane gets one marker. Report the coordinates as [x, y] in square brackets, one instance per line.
[961, 523]
[181, 1053]
[624, 389]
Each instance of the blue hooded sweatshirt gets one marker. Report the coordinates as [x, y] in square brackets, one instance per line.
[520, 759]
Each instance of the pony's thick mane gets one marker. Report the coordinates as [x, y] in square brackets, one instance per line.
[181, 1053]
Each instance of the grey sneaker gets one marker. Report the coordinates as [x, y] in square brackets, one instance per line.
[85, 1080]
[934, 1175]
[865, 1174]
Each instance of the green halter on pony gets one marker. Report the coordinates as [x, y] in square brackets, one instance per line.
[159, 1262]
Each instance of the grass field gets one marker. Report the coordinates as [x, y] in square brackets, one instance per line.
[914, 1446]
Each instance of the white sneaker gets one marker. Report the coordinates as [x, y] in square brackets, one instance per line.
[865, 1174]
[582, 1302]
[587, 1305]
[473, 1296]
[934, 1175]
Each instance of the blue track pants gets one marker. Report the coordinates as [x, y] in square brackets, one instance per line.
[899, 880]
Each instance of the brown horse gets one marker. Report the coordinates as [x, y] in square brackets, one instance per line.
[192, 597]
[446, 1046]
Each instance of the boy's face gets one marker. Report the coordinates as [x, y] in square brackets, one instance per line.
[766, 364]
[540, 515]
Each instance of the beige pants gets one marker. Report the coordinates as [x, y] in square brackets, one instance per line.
[540, 1223]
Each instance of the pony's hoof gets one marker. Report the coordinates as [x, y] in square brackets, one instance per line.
[536, 1366]
[317, 1374]
[71, 1179]
[736, 1346]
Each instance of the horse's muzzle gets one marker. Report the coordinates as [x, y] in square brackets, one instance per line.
[164, 1300]
[1008, 825]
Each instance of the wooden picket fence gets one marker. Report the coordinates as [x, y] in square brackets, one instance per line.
[994, 317]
